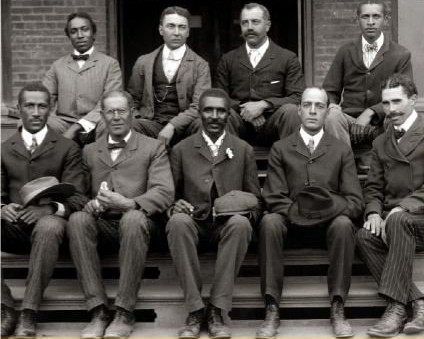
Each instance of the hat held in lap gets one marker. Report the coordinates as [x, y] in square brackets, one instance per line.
[235, 202]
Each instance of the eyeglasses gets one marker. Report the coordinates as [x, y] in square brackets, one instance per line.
[120, 111]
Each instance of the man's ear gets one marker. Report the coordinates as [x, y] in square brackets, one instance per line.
[160, 30]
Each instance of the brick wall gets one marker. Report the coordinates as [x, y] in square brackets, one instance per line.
[38, 37]
[334, 24]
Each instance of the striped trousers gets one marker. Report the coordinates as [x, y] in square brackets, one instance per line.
[391, 265]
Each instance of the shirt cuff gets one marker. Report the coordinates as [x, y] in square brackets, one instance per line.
[60, 212]
[87, 125]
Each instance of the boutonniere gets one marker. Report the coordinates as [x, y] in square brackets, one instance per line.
[229, 153]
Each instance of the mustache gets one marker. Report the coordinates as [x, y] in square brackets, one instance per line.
[249, 33]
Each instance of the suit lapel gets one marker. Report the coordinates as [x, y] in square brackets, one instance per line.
[185, 63]
[267, 57]
[150, 64]
[379, 58]
[412, 137]
[244, 58]
[300, 146]
[226, 144]
[91, 62]
[72, 64]
[47, 144]
[357, 54]
[128, 151]
[103, 151]
[392, 147]
[202, 147]
[322, 147]
[18, 146]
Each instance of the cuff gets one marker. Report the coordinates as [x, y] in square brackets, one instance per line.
[87, 125]
[60, 209]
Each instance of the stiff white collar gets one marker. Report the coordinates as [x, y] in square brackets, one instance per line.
[39, 136]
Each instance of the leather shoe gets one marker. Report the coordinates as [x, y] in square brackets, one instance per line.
[99, 320]
[269, 328]
[341, 327]
[391, 322]
[192, 326]
[121, 325]
[26, 324]
[8, 320]
[216, 327]
[416, 325]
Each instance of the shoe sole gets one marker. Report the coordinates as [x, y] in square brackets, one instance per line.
[412, 329]
[381, 335]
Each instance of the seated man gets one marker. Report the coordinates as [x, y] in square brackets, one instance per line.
[313, 194]
[29, 225]
[166, 83]
[353, 80]
[263, 80]
[394, 212]
[77, 81]
[130, 185]
[207, 166]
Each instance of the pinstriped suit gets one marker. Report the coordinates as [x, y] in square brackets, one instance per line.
[396, 178]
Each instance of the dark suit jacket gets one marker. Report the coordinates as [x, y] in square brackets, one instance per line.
[193, 78]
[141, 172]
[396, 177]
[359, 87]
[195, 171]
[291, 168]
[277, 78]
[56, 156]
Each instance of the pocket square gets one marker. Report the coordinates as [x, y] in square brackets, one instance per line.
[275, 82]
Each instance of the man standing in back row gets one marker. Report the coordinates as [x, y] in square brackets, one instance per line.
[264, 81]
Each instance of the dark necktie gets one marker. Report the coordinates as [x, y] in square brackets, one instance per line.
[399, 133]
[80, 57]
[117, 145]
[371, 47]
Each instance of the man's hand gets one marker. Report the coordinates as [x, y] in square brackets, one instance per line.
[365, 118]
[116, 201]
[375, 224]
[258, 122]
[166, 134]
[182, 206]
[32, 214]
[10, 212]
[253, 109]
[92, 207]
[72, 131]
[357, 130]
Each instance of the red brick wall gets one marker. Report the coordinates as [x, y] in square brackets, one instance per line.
[38, 37]
[334, 24]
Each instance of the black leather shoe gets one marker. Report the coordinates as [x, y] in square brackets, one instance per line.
[99, 320]
[26, 324]
[341, 327]
[269, 328]
[193, 323]
[122, 324]
[216, 327]
[8, 320]
[416, 325]
[391, 322]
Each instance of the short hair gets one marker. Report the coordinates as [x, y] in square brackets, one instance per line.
[215, 93]
[402, 80]
[117, 93]
[83, 15]
[265, 11]
[319, 88]
[175, 10]
[33, 87]
[372, 2]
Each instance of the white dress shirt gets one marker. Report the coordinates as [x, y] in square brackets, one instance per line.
[114, 153]
[407, 124]
[256, 54]
[214, 146]
[369, 56]
[171, 60]
[316, 138]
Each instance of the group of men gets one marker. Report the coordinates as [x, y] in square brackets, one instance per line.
[126, 193]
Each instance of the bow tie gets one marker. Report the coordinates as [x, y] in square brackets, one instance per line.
[399, 133]
[80, 57]
[116, 145]
[371, 47]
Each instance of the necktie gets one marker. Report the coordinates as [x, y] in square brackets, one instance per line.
[34, 145]
[371, 47]
[311, 146]
[116, 145]
[399, 133]
[78, 57]
[254, 57]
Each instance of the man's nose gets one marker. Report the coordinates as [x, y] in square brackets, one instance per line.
[371, 20]
[36, 111]
[79, 33]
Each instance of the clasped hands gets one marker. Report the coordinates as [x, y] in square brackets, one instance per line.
[182, 206]
[29, 215]
[107, 199]
[377, 225]
[252, 112]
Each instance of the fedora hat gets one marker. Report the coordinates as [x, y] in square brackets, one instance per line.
[314, 205]
[235, 202]
[44, 187]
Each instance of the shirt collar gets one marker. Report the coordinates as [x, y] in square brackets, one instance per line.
[408, 122]
[178, 53]
[306, 136]
[127, 137]
[39, 136]
[89, 52]
[379, 42]
[208, 140]
[261, 50]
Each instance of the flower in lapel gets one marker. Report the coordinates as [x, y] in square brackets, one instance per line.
[229, 153]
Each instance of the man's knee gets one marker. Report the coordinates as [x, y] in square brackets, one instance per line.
[272, 225]
[49, 227]
[399, 222]
[341, 226]
[363, 236]
[178, 224]
[133, 222]
[80, 223]
[240, 225]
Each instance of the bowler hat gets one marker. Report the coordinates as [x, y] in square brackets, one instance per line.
[44, 187]
[314, 205]
[235, 202]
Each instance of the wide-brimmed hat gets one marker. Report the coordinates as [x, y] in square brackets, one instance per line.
[44, 187]
[314, 205]
[235, 202]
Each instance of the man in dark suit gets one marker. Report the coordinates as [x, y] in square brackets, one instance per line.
[166, 83]
[313, 166]
[130, 185]
[354, 78]
[263, 80]
[38, 228]
[394, 212]
[77, 81]
[207, 166]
